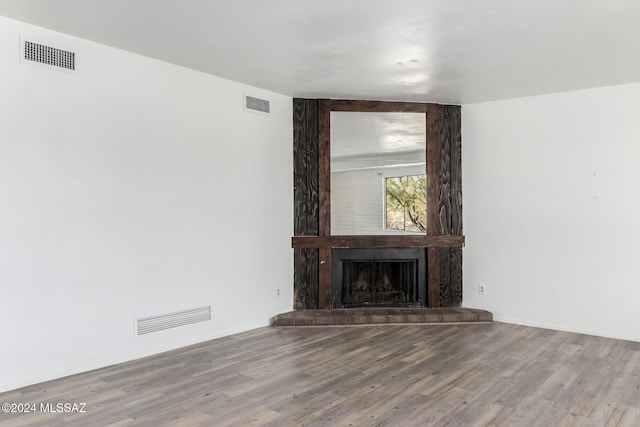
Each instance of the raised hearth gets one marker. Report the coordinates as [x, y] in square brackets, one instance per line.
[379, 316]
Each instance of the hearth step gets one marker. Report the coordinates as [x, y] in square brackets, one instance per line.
[381, 316]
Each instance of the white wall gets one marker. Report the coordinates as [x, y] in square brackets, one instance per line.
[131, 188]
[552, 208]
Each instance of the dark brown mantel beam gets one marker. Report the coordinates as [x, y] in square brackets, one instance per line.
[313, 242]
[378, 106]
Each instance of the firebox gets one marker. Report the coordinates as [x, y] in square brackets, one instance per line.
[389, 277]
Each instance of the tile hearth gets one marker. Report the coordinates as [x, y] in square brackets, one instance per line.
[380, 316]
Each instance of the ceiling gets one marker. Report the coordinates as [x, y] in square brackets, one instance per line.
[449, 51]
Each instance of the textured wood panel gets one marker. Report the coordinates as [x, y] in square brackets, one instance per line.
[306, 200]
[492, 374]
[324, 174]
[444, 202]
[455, 137]
[450, 201]
[456, 276]
[305, 167]
[377, 241]
[324, 165]
[444, 170]
[305, 279]
[433, 277]
[454, 123]
[433, 190]
[433, 170]
[445, 288]
[324, 284]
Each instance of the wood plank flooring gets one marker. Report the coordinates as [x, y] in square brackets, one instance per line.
[489, 374]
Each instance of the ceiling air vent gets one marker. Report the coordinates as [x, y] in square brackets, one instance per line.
[49, 55]
[256, 104]
[146, 325]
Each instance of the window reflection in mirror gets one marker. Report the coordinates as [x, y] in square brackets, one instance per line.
[378, 183]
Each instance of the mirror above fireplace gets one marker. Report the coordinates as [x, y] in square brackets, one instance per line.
[378, 173]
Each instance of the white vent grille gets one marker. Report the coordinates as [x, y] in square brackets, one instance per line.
[49, 55]
[256, 104]
[160, 322]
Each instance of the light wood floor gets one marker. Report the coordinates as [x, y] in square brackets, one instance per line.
[418, 375]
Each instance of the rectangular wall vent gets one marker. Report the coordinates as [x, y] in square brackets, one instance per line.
[256, 104]
[49, 55]
[146, 325]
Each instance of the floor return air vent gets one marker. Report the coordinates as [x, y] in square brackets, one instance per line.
[146, 325]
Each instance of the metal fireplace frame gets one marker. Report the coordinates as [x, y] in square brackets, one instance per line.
[377, 254]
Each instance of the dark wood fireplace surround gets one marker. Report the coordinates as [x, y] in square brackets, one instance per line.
[313, 242]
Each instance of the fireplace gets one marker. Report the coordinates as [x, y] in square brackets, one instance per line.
[389, 277]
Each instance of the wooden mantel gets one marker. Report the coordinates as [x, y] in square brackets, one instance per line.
[441, 241]
[313, 242]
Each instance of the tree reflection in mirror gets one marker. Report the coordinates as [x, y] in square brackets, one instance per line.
[406, 207]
